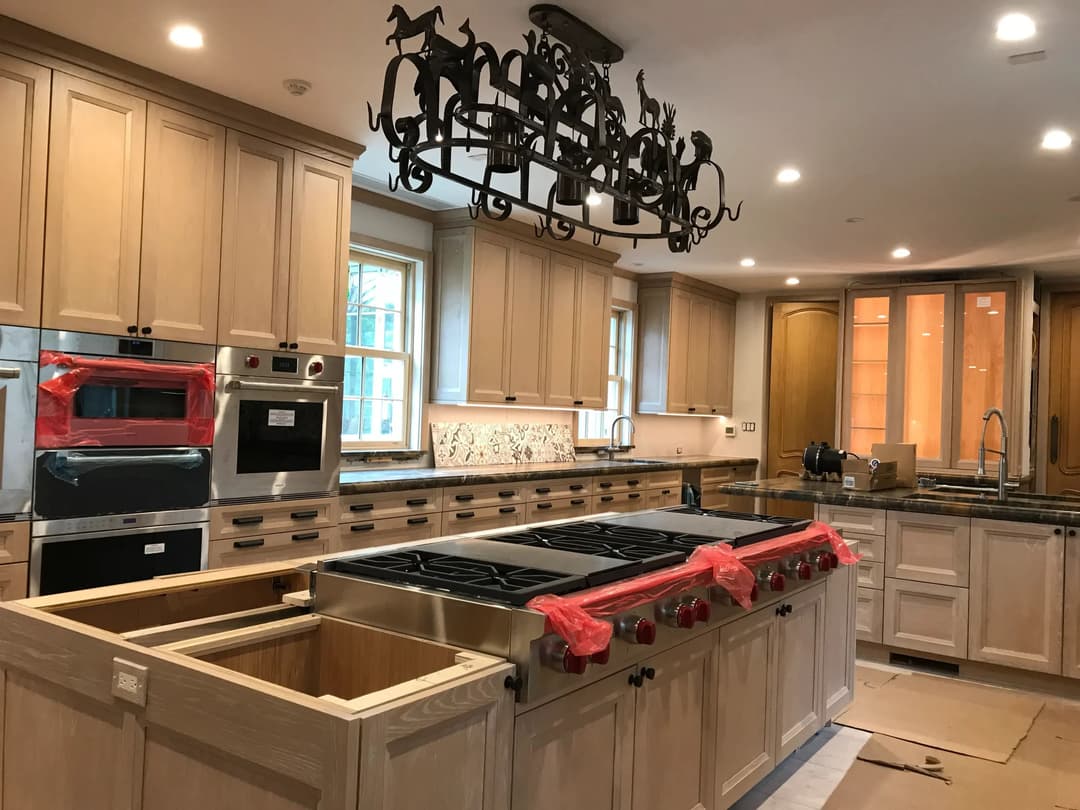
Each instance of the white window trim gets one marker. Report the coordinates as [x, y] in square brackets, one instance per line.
[629, 358]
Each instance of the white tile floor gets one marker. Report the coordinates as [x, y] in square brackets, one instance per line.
[806, 779]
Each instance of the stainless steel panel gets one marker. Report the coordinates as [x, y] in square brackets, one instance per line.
[112, 346]
[19, 343]
[111, 523]
[233, 360]
[547, 559]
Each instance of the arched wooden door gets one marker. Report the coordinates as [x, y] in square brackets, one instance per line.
[1063, 441]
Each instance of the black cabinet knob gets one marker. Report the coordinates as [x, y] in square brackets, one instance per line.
[649, 673]
[294, 346]
[146, 330]
[511, 399]
[283, 345]
[1057, 532]
[579, 402]
[133, 329]
[1072, 532]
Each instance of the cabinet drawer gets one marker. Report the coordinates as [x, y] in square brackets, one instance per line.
[607, 484]
[726, 475]
[657, 498]
[554, 510]
[871, 547]
[928, 548]
[14, 542]
[852, 519]
[869, 613]
[926, 617]
[478, 497]
[249, 520]
[272, 547]
[620, 502]
[369, 533]
[377, 505]
[558, 488]
[468, 519]
[871, 574]
[672, 479]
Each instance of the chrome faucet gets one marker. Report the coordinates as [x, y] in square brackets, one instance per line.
[613, 448]
[1003, 453]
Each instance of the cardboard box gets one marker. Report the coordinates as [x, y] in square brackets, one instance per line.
[857, 475]
[903, 455]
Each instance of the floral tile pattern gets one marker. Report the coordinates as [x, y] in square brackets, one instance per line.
[464, 444]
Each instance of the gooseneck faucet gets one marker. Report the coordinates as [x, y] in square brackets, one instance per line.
[1003, 453]
[613, 448]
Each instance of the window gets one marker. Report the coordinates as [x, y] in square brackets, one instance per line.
[376, 411]
[594, 427]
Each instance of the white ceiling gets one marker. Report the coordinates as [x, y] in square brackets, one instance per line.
[904, 113]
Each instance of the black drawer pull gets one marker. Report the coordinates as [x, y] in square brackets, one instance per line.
[507, 510]
[577, 502]
[507, 493]
[691, 410]
[577, 487]
[362, 507]
[607, 498]
[604, 485]
[665, 492]
[543, 490]
[635, 494]
[465, 515]
[632, 482]
[362, 527]
[249, 543]
[464, 497]
[420, 521]
[254, 520]
[579, 402]
[547, 505]
[307, 514]
[511, 399]
[416, 502]
[305, 536]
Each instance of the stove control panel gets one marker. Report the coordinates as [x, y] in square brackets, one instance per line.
[636, 630]
[684, 613]
[555, 654]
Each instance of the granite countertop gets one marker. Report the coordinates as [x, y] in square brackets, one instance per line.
[1063, 511]
[354, 482]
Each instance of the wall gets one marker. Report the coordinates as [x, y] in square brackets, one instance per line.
[391, 226]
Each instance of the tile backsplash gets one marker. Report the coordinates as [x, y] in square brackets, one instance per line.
[469, 444]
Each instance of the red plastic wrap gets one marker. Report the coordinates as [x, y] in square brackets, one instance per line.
[577, 618]
[59, 427]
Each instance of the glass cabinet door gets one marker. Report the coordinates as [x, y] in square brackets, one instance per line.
[868, 371]
[928, 374]
[985, 365]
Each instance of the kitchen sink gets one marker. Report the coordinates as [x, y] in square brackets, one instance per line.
[1031, 500]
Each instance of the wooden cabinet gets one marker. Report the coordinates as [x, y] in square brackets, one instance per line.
[181, 244]
[94, 208]
[870, 575]
[853, 519]
[869, 614]
[593, 305]
[1071, 653]
[256, 230]
[685, 346]
[928, 548]
[24, 144]
[245, 520]
[926, 617]
[559, 509]
[386, 531]
[264, 548]
[14, 542]
[489, 324]
[838, 677]
[1017, 583]
[524, 355]
[800, 696]
[563, 325]
[477, 519]
[709, 480]
[659, 498]
[14, 582]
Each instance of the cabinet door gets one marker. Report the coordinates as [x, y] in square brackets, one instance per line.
[926, 617]
[451, 748]
[697, 361]
[489, 325]
[746, 719]
[674, 728]
[562, 324]
[721, 354]
[527, 321]
[839, 664]
[24, 144]
[181, 246]
[1017, 584]
[928, 548]
[94, 211]
[869, 614]
[800, 698]
[319, 254]
[678, 394]
[577, 751]
[1071, 667]
[591, 339]
[255, 243]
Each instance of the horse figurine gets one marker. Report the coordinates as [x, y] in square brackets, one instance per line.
[408, 28]
[650, 107]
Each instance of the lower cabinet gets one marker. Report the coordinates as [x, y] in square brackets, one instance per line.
[387, 531]
[1071, 662]
[800, 698]
[869, 614]
[841, 591]
[926, 617]
[266, 548]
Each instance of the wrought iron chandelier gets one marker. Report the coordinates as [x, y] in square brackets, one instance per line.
[549, 107]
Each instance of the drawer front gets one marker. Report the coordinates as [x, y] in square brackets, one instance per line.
[608, 484]
[250, 520]
[871, 574]
[658, 498]
[465, 498]
[558, 488]
[468, 519]
[620, 502]
[378, 505]
[926, 617]
[272, 547]
[928, 548]
[869, 614]
[712, 498]
[554, 510]
[370, 533]
[853, 519]
[717, 475]
[14, 542]
[871, 547]
[672, 479]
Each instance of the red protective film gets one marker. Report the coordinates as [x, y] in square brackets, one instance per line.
[577, 618]
[58, 425]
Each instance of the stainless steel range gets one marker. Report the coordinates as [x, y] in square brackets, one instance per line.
[473, 591]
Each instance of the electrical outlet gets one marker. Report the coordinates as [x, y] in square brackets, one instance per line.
[129, 681]
[750, 427]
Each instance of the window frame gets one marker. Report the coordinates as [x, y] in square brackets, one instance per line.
[626, 312]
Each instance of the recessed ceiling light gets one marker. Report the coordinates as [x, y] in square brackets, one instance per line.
[788, 175]
[1015, 27]
[791, 281]
[1056, 140]
[901, 253]
[186, 36]
[747, 262]
[593, 199]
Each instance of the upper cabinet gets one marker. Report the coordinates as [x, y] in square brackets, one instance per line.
[517, 324]
[24, 143]
[687, 343]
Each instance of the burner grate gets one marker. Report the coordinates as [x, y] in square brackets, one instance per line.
[570, 539]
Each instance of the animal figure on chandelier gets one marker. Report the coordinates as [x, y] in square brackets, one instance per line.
[702, 154]
[650, 107]
[408, 28]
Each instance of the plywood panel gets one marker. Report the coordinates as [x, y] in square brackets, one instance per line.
[290, 661]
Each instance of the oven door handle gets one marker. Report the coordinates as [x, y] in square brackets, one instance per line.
[68, 466]
[10, 373]
[245, 385]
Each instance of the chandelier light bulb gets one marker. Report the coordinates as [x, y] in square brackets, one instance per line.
[593, 199]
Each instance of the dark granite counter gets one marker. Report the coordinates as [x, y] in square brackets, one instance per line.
[1062, 511]
[354, 482]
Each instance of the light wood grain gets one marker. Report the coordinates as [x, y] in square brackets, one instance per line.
[854, 519]
[1071, 653]
[525, 350]
[659, 498]
[291, 661]
[14, 582]
[721, 358]
[838, 674]
[298, 544]
[1063, 382]
[451, 314]
[557, 488]
[468, 518]
[800, 696]
[226, 640]
[481, 495]
[677, 361]
[928, 548]
[24, 144]
[370, 533]
[926, 617]
[869, 614]
[591, 335]
[871, 547]
[559, 509]
[620, 501]
[14, 542]
[697, 367]
[377, 505]
[870, 575]
[489, 331]
[563, 325]
[248, 520]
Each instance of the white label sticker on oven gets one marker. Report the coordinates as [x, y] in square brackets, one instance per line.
[153, 548]
[279, 417]
[982, 301]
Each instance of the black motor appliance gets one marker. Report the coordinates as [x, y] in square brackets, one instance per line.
[820, 459]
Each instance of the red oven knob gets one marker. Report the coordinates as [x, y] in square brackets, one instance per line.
[636, 630]
[754, 593]
[824, 564]
[574, 664]
[601, 657]
[702, 610]
[834, 559]
[804, 570]
[555, 654]
[777, 582]
[678, 615]
[251, 361]
[316, 367]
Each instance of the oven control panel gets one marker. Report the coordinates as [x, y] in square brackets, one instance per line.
[240, 362]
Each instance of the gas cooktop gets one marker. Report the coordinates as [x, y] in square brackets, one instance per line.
[737, 529]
